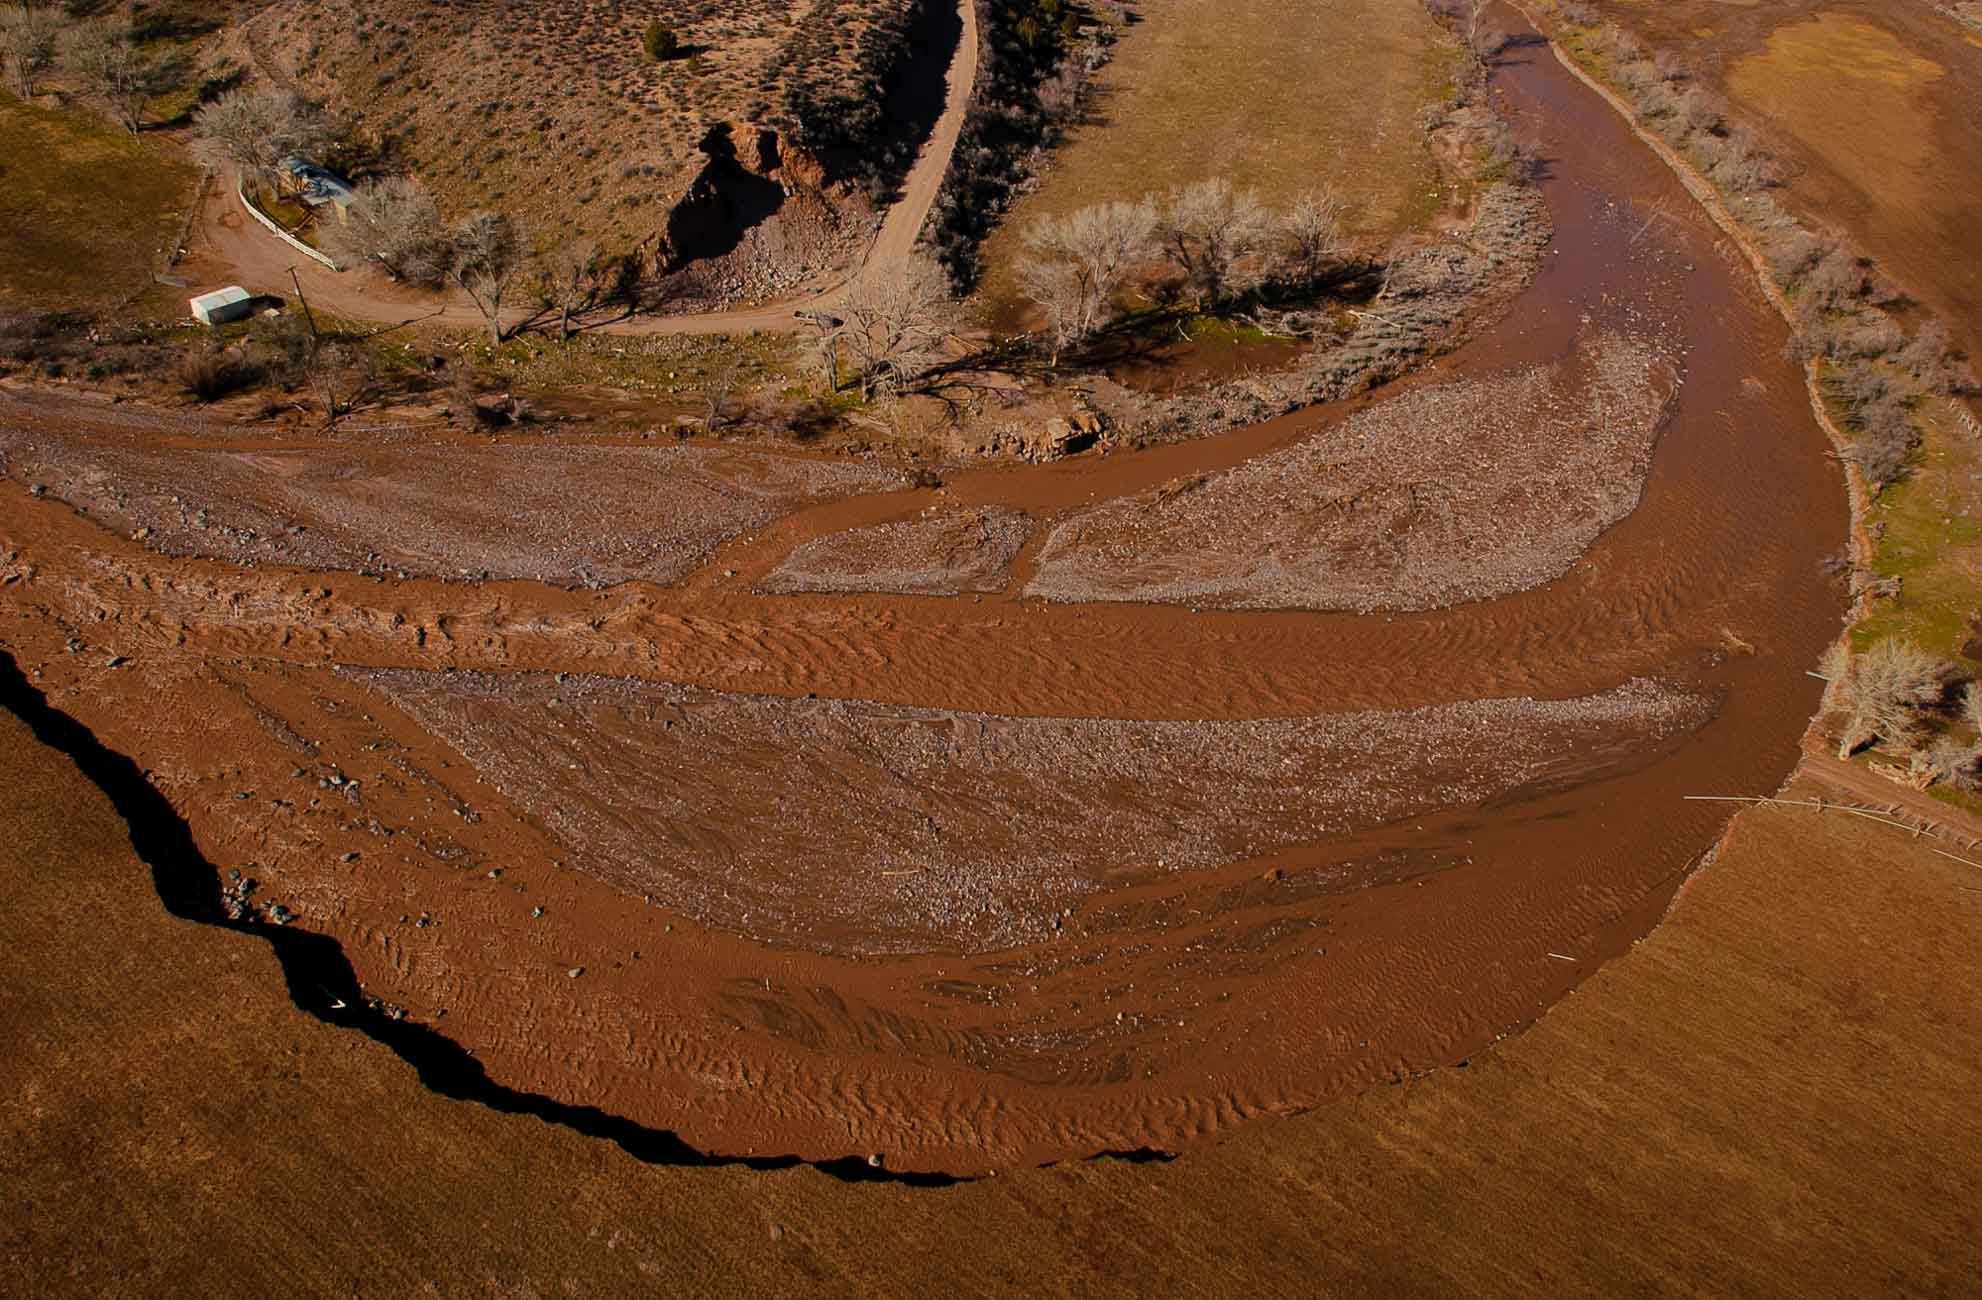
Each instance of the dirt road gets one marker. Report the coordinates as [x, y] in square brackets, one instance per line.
[230, 247]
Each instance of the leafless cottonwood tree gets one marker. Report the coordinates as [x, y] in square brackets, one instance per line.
[1481, 41]
[892, 325]
[1074, 265]
[395, 223]
[1215, 235]
[488, 255]
[572, 277]
[1310, 236]
[254, 130]
[28, 41]
[719, 384]
[1948, 757]
[339, 374]
[105, 58]
[1881, 692]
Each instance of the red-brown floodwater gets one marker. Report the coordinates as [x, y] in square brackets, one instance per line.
[979, 879]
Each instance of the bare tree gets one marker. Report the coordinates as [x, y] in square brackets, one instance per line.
[1310, 236]
[1481, 42]
[1215, 236]
[340, 374]
[1882, 691]
[105, 58]
[571, 279]
[1064, 290]
[892, 324]
[255, 130]
[27, 46]
[719, 383]
[826, 330]
[395, 223]
[337, 372]
[1948, 757]
[1074, 265]
[489, 255]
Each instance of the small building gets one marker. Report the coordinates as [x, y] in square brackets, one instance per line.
[318, 186]
[223, 305]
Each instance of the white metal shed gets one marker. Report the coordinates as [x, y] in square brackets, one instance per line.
[223, 305]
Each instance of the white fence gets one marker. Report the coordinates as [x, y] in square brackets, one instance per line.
[281, 234]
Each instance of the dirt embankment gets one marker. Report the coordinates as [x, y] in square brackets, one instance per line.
[473, 897]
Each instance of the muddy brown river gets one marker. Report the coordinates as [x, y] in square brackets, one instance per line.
[983, 879]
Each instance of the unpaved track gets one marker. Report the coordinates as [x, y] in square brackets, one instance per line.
[247, 254]
[1168, 1005]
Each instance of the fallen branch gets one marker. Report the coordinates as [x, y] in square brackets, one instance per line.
[1870, 814]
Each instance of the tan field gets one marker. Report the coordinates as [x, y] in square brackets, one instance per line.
[1189, 96]
[86, 210]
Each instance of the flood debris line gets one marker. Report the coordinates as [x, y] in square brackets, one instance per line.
[1893, 816]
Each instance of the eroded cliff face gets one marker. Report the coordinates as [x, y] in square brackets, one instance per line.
[748, 175]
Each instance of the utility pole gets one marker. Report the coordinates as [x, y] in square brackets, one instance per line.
[297, 280]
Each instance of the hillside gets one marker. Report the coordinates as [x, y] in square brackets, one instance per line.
[787, 119]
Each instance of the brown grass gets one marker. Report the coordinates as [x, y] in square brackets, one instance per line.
[554, 110]
[85, 209]
[1278, 97]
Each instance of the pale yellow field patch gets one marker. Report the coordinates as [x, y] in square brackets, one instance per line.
[1852, 94]
[1277, 95]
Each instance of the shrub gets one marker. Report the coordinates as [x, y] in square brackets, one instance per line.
[661, 42]
[1835, 277]
[208, 374]
[1929, 358]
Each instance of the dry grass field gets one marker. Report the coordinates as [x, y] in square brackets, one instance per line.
[1774, 1094]
[1189, 95]
[85, 208]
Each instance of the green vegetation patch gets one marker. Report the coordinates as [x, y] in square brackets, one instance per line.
[1931, 542]
[85, 208]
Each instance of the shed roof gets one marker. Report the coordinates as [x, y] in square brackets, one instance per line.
[227, 297]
